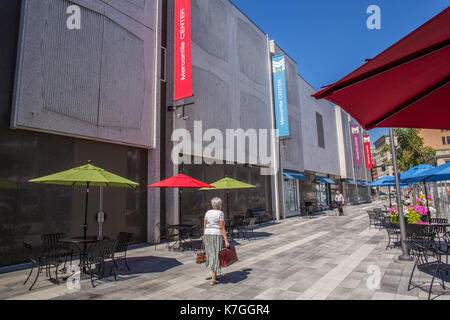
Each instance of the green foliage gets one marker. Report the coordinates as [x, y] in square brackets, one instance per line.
[411, 150]
[413, 217]
[411, 213]
[394, 218]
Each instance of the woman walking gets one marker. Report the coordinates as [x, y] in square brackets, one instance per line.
[214, 233]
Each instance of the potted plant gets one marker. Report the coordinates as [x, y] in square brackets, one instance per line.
[417, 214]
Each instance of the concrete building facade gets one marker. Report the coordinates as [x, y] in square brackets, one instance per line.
[439, 140]
[103, 93]
[73, 95]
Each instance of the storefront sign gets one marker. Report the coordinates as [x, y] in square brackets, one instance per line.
[182, 64]
[368, 152]
[280, 95]
[356, 146]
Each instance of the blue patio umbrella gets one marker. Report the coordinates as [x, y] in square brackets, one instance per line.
[408, 176]
[441, 173]
[380, 182]
[391, 183]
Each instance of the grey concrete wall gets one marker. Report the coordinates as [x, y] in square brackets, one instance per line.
[95, 83]
[324, 160]
[230, 72]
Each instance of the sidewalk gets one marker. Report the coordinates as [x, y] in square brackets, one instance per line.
[324, 257]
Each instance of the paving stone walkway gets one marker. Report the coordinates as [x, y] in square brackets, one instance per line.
[323, 257]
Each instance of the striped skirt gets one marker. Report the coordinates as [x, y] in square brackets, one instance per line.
[213, 246]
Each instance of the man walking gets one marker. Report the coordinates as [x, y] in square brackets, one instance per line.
[339, 199]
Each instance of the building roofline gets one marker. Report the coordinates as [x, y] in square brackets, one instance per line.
[379, 139]
[284, 52]
[242, 12]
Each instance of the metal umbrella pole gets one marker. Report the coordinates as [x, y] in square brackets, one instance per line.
[405, 256]
[228, 204]
[426, 199]
[389, 192]
[101, 216]
[85, 225]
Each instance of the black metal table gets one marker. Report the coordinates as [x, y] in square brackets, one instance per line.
[82, 246]
[437, 231]
[231, 225]
[183, 230]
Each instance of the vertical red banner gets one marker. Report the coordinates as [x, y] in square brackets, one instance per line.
[182, 49]
[368, 152]
[356, 146]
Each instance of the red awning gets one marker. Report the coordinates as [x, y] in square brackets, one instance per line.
[180, 181]
[407, 85]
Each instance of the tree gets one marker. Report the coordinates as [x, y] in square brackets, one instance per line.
[411, 150]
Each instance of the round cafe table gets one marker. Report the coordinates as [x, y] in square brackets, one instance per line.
[182, 230]
[81, 245]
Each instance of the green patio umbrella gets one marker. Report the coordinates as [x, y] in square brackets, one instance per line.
[86, 175]
[229, 184]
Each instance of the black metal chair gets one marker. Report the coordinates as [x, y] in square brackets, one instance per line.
[40, 260]
[100, 254]
[165, 233]
[123, 239]
[372, 218]
[439, 231]
[247, 228]
[419, 233]
[392, 231]
[420, 251]
[379, 217]
[52, 247]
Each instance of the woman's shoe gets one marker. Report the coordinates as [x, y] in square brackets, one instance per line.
[214, 282]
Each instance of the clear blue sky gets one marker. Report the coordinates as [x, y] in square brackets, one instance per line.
[329, 38]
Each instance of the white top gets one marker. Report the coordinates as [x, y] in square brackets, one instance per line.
[339, 198]
[213, 217]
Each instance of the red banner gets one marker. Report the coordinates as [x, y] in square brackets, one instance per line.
[356, 146]
[368, 152]
[183, 66]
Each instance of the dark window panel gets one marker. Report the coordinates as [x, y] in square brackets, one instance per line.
[320, 135]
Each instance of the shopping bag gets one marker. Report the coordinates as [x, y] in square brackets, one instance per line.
[201, 257]
[228, 256]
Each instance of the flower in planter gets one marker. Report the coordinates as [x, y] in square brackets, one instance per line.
[413, 214]
[422, 200]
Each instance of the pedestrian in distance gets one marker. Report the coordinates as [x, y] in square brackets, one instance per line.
[213, 235]
[339, 199]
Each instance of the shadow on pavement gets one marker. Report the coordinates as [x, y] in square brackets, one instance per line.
[235, 276]
[149, 264]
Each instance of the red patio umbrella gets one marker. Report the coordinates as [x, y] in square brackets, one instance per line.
[405, 86]
[180, 181]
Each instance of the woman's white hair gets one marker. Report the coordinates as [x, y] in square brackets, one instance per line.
[216, 202]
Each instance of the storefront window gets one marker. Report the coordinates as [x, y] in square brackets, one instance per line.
[363, 193]
[242, 203]
[291, 196]
[322, 194]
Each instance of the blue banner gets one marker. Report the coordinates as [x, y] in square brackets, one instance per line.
[280, 95]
